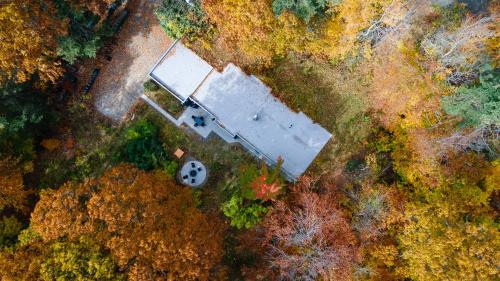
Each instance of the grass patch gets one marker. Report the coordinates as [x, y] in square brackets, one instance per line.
[166, 101]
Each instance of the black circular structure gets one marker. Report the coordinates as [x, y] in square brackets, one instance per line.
[193, 173]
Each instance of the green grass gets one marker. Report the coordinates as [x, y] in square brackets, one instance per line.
[166, 101]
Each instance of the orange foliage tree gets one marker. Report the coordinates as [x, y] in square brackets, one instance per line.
[12, 191]
[309, 238]
[28, 40]
[150, 225]
[22, 264]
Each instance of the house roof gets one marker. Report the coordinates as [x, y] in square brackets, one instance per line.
[180, 71]
[245, 107]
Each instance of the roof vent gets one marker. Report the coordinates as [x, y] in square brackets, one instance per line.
[255, 117]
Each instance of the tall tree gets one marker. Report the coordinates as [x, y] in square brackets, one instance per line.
[149, 224]
[28, 33]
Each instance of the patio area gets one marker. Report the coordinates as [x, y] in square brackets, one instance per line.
[210, 126]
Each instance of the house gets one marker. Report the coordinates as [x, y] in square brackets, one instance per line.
[241, 108]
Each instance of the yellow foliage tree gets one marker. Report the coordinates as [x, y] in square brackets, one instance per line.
[440, 244]
[28, 40]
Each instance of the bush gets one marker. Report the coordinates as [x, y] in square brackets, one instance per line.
[151, 86]
[147, 153]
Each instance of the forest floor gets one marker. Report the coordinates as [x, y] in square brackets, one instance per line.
[138, 45]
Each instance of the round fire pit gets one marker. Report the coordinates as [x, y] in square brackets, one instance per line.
[193, 173]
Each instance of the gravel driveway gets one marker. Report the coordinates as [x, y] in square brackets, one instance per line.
[139, 44]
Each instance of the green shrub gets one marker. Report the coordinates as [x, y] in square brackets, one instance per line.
[147, 153]
[170, 167]
[144, 149]
[242, 207]
[151, 86]
[243, 213]
[141, 129]
[478, 105]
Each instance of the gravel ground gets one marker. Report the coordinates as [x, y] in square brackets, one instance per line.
[138, 46]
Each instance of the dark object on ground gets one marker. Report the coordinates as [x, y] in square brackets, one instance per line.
[120, 20]
[476, 6]
[93, 77]
[198, 121]
[67, 87]
[190, 103]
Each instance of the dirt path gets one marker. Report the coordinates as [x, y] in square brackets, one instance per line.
[139, 44]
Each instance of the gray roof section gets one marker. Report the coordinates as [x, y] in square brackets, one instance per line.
[246, 107]
[180, 71]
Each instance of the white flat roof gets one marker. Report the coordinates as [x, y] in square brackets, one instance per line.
[180, 71]
[246, 107]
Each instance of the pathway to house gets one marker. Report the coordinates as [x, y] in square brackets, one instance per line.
[139, 44]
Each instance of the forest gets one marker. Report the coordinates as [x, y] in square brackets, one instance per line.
[408, 188]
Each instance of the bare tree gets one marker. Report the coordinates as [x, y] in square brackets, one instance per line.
[309, 239]
[396, 18]
[484, 138]
[460, 48]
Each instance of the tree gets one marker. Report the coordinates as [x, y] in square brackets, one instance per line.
[477, 105]
[309, 238]
[304, 9]
[436, 246]
[402, 92]
[12, 192]
[85, 33]
[22, 263]
[179, 18]
[78, 261]
[23, 114]
[28, 46]
[98, 7]
[246, 26]
[460, 49]
[149, 224]
[10, 227]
